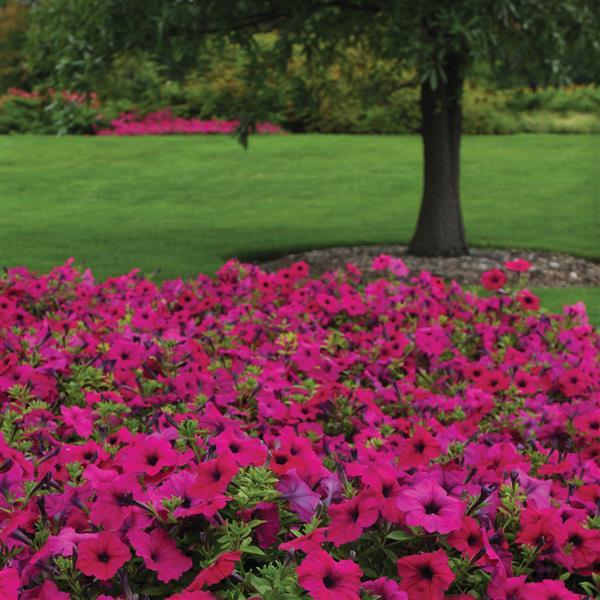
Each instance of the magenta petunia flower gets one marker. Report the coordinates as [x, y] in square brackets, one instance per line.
[493, 279]
[350, 518]
[425, 576]
[528, 300]
[468, 539]
[536, 490]
[325, 579]
[79, 418]
[386, 589]
[195, 595]
[160, 554]
[419, 449]
[548, 589]
[213, 477]
[102, 556]
[519, 265]
[303, 501]
[9, 584]
[115, 500]
[148, 455]
[306, 543]
[47, 591]
[266, 533]
[428, 505]
[221, 568]
[180, 485]
[243, 450]
[584, 546]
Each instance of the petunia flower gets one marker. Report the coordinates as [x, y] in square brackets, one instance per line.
[303, 501]
[266, 533]
[115, 500]
[468, 539]
[79, 418]
[419, 449]
[180, 484]
[47, 591]
[584, 544]
[306, 543]
[213, 477]
[385, 589]
[493, 279]
[506, 588]
[325, 579]
[148, 455]
[102, 556]
[548, 589]
[243, 450]
[428, 505]
[350, 518]
[160, 554]
[195, 595]
[542, 528]
[528, 300]
[9, 584]
[381, 262]
[425, 576]
[519, 265]
[537, 490]
[221, 568]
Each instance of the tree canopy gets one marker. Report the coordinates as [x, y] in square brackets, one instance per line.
[74, 42]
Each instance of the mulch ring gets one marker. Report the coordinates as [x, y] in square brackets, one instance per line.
[550, 269]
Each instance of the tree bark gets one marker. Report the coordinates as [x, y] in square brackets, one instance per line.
[440, 230]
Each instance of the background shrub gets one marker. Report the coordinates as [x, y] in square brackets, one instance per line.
[358, 94]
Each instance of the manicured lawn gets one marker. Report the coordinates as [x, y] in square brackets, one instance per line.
[185, 204]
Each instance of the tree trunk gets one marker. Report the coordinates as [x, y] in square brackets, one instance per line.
[440, 230]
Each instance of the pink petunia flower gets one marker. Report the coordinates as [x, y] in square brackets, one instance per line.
[419, 449]
[493, 280]
[428, 505]
[213, 477]
[47, 591]
[528, 300]
[9, 584]
[350, 518]
[386, 589]
[149, 455]
[548, 589]
[303, 501]
[425, 576]
[79, 418]
[160, 554]
[221, 568]
[519, 265]
[325, 579]
[103, 556]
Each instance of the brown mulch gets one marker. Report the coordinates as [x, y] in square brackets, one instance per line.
[550, 269]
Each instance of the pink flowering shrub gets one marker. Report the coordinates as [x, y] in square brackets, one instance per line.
[275, 436]
[164, 122]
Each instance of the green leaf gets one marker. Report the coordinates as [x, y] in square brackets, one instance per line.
[399, 535]
[390, 554]
[252, 550]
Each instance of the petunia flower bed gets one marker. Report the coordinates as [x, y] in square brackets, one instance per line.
[275, 436]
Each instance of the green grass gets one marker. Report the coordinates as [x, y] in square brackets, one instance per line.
[185, 204]
[555, 298]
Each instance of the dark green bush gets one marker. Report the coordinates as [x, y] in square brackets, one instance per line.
[47, 114]
[582, 99]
